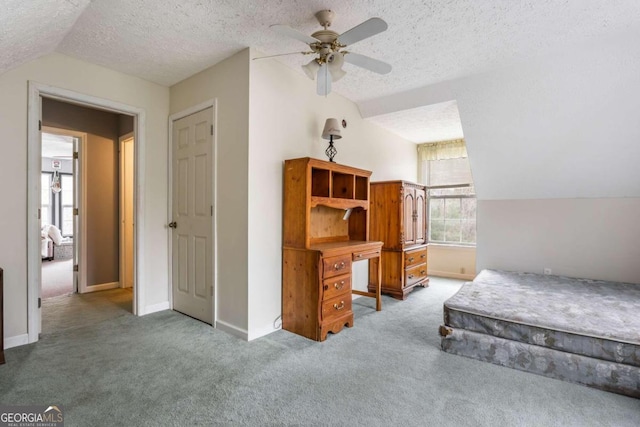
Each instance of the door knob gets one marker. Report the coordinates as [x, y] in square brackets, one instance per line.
[173, 224]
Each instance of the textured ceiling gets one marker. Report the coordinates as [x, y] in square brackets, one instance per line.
[431, 123]
[427, 41]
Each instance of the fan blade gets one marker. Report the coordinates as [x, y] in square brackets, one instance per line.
[368, 28]
[324, 80]
[294, 34]
[367, 62]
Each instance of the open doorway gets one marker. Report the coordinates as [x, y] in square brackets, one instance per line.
[58, 225]
[95, 126]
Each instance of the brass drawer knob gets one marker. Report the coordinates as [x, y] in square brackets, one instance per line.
[410, 276]
[422, 272]
[359, 255]
[411, 259]
[339, 307]
[340, 266]
[339, 285]
[423, 256]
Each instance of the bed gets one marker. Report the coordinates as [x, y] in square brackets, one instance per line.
[577, 330]
[53, 245]
[46, 248]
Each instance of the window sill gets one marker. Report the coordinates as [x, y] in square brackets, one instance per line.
[452, 245]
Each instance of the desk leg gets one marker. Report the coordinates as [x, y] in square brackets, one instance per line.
[379, 285]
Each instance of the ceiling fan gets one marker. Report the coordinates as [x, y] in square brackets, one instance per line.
[328, 46]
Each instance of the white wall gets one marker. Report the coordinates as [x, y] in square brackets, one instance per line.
[228, 82]
[286, 120]
[592, 238]
[68, 73]
[456, 262]
[563, 126]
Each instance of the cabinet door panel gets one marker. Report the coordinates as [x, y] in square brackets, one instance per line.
[420, 215]
[408, 225]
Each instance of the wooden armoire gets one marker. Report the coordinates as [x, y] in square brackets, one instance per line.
[398, 217]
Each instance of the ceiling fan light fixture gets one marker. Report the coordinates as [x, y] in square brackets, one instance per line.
[337, 74]
[311, 69]
[335, 62]
[328, 47]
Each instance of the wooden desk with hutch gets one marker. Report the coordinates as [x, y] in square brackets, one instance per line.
[325, 229]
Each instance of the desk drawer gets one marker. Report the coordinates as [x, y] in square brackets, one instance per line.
[415, 257]
[336, 307]
[357, 256]
[415, 274]
[336, 286]
[336, 265]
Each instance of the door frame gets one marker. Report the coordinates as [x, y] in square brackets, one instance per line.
[121, 214]
[213, 104]
[81, 197]
[34, 117]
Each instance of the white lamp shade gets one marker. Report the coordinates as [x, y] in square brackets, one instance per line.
[337, 74]
[311, 69]
[331, 128]
[335, 62]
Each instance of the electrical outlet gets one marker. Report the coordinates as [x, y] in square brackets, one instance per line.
[547, 270]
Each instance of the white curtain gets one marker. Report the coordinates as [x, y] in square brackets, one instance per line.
[443, 150]
[444, 163]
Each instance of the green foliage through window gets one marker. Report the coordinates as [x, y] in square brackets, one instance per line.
[452, 216]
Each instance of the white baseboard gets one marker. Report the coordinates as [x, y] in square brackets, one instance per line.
[451, 275]
[261, 332]
[103, 287]
[156, 307]
[16, 341]
[233, 330]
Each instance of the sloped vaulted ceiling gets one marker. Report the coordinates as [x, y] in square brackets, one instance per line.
[534, 122]
[427, 41]
[30, 29]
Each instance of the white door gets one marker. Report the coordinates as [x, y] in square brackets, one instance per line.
[192, 219]
[126, 212]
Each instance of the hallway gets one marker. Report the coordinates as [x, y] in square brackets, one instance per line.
[71, 311]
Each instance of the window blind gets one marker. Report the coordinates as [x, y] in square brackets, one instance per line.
[448, 172]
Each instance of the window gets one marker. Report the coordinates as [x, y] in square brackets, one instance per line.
[452, 216]
[66, 205]
[46, 213]
[445, 170]
[57, 209]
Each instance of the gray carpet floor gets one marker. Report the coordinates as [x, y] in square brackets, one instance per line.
[108, 367]
[57, 278]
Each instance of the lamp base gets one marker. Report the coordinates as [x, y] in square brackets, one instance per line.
[331, 151]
